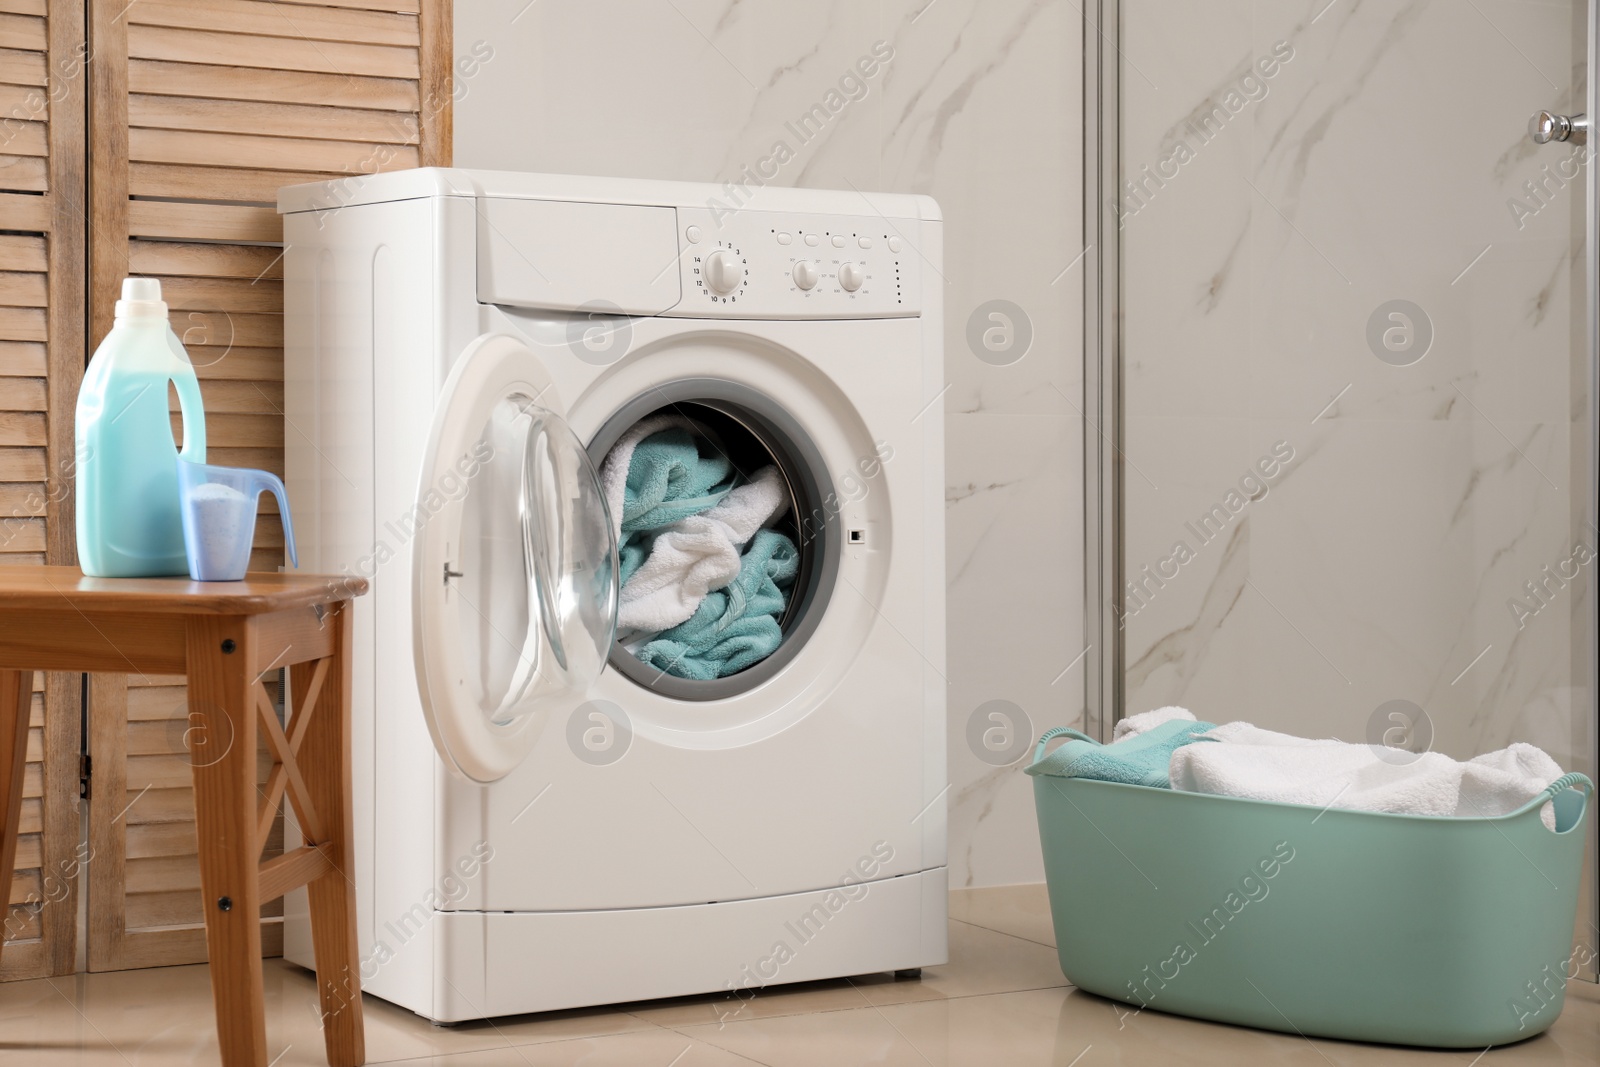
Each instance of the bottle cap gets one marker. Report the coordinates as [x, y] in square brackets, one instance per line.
[141, 298]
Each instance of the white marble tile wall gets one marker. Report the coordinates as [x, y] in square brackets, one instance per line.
[1367, 152]
[978, 107]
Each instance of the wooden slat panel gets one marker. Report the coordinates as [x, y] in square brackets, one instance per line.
[271, 119]
[151, 910]
[245, 364]
[23, 31]
[22, 289]
[240, 398]
[21, 498]
[24, 7]
[205, 294]
[24, 173]
[225, 329]
[272, 53]
[24, 212]
[160, 805]
[29, 854]
[405, 7]
[23, 102]
[21, 138]
[22, 464]
[22, 68]
[22, 428]
[277, 20]
[267, 153]
[21, 535]
[240, 431]
[160, 839]
[22, 324]
[273, 86]
[162, 874]
[26, 885]
[204, 260]
[24, 359]
[230, 101]
[22, 253]
[216, 183]
[22, 394]
[148, 218]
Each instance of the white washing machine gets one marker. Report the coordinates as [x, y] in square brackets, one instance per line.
[544, 821]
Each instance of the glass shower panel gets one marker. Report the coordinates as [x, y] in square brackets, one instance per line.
[1356, 472]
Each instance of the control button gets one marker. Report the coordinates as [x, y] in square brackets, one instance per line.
[838, 240]
[693, 234]
[864, 242]
[785, 238]
[851, 275]
[805, 274]
[724, 273]
[812, 239]
[894, 244]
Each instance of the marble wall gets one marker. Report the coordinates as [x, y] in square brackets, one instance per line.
[978, 107]
[1298, 168]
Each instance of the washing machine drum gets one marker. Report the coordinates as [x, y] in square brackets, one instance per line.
[727, 545]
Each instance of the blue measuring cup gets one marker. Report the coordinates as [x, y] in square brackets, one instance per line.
[219, 517]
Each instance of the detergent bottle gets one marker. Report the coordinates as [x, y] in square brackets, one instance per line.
[130, 520]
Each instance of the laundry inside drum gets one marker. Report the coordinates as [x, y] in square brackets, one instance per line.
[721, 536]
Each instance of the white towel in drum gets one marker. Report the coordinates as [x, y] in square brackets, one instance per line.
[693, 556]
[1266, 765]
[614, 468]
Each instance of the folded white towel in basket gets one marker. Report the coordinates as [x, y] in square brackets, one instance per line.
[1266, 765]
[696, 555]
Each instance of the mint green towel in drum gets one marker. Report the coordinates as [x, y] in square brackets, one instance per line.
[1137, 760]
[736, 626]
[668, 480]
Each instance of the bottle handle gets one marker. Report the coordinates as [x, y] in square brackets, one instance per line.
[265, 481]
[194, 417]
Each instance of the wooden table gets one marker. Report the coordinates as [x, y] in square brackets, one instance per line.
[226, 636]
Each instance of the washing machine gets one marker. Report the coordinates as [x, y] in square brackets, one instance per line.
[543, 819]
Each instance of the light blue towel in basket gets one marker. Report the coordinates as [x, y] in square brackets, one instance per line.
[1137, 760]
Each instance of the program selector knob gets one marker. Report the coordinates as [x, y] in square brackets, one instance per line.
[724, 273]
[805, 274]
[851, 276]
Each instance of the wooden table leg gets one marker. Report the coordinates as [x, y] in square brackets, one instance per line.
[220, 654]
[324, 759]
[16, 702]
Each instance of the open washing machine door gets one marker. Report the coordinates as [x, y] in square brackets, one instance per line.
[514, 580]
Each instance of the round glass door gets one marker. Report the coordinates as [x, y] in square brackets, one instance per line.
[515, 576]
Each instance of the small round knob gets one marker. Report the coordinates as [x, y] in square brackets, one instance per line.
[805, 274]
[851, 276]
[724, 273]
[1547, 126]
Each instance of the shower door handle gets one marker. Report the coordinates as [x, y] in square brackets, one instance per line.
[1547, 126]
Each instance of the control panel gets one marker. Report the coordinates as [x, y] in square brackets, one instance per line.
[760, 264]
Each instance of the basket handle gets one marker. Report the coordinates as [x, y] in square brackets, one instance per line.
[1058, 731]
[1574, 780]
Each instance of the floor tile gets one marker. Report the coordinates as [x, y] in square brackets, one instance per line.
[981, 961]
[1062, 1027]
[1020, 910]
[1000, 1000]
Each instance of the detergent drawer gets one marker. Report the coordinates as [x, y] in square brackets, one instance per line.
[606, 258]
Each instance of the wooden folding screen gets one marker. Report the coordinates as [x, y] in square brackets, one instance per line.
[42, 281]
[199, 111]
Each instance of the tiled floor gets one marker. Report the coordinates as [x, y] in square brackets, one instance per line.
[1000, 1000]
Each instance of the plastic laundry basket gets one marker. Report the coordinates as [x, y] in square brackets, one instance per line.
[1410, 929]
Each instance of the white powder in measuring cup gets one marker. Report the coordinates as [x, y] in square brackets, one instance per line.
[224, 522]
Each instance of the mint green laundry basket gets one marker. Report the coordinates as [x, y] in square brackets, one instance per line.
[1407, 929]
